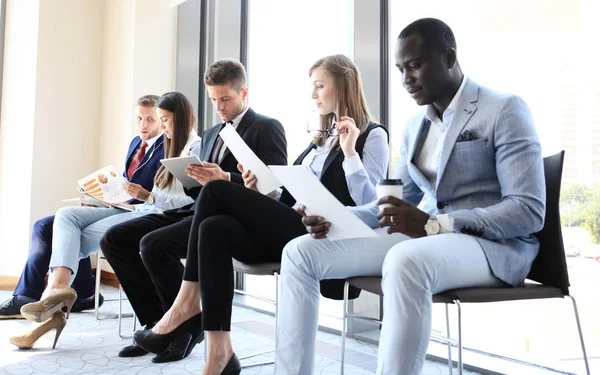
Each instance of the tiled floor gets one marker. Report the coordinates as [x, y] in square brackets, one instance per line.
[88, 346]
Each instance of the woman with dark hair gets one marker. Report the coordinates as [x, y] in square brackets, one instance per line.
[78, 230]
[349, 153]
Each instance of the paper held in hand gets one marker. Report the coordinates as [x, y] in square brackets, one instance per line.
[106, 185]
[306, 188]
[266, 181]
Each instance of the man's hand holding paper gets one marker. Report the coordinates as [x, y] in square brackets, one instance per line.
[319, 202]
[265, 180]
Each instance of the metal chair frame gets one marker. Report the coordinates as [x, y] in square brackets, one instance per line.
[448, 340]
[118, 316]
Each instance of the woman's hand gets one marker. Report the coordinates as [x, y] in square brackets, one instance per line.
[136, 191]
[249, 179]
[348, 135]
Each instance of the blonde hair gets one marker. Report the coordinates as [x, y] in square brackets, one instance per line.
[148, 101]
[350, 98]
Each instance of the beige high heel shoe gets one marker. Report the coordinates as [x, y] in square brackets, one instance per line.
[42, 310]
[56, 322]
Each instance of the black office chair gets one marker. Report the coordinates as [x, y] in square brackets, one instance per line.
[548, 272]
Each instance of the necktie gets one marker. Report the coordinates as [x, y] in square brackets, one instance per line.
[214, 156]
[138, 159]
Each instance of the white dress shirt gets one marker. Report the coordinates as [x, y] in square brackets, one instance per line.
[429, 156]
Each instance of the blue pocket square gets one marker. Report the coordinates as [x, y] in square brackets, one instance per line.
[466, 136]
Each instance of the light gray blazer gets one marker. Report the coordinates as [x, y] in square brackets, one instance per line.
[493, 187]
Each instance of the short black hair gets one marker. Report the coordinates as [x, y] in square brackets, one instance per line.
[435, 34]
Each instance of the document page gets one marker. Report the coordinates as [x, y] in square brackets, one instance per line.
[106, 185]
[266, 181]
[177, 167]
[306, 188]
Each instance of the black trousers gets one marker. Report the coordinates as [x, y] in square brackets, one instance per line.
[145, 254]
[232, 221]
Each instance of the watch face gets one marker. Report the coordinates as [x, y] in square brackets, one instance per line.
[432, 227]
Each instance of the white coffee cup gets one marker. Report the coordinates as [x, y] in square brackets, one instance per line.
[387, 187]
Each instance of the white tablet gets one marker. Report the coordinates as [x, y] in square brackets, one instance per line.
[177, 167]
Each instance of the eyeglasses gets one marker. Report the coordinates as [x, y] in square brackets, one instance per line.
[331, 132]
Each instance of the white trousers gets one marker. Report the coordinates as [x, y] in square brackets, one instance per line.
[412, 270]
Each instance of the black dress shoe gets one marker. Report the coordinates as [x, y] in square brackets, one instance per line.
[234, 367]
[180, 348]
[11, 308]
[157, 343]
[132, 351]
[82, 304]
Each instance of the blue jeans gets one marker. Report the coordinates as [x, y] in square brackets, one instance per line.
[31, 283]
[78, 230]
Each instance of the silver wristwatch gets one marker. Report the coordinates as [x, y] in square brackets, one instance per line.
[150, 199]
[432, 226]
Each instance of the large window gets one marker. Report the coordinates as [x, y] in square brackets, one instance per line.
[285, 39]
[540, 50]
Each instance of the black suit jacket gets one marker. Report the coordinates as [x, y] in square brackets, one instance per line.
[264, 135]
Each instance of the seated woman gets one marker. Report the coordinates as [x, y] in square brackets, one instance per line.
[77, 234]
[349, 154]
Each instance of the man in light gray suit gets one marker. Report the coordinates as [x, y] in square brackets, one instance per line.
[475, 156]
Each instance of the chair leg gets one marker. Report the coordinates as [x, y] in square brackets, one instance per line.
[585, 359]
[276, 303]
[449, 344]
[460, 361]
[120, 317]
[97, 291]
[276, 306]
[344, 325]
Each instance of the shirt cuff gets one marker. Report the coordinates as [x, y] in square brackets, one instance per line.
[352, 165]
[446, 223]
[228, 176]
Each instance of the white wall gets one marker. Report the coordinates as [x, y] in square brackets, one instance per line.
[68, 100]
[17, 129]
[139, 59]
[72, 72]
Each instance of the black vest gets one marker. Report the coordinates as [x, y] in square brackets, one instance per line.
[332, 174]
[334, 179]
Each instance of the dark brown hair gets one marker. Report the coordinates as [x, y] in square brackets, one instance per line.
[226, 72]
[183, 123]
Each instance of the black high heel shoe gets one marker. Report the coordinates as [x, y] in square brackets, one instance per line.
[157, 343]
[234, 367]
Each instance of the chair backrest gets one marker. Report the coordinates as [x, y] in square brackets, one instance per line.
[550, 265]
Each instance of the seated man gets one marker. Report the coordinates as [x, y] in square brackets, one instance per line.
[145, 253]
[474, 153]
[140, 168]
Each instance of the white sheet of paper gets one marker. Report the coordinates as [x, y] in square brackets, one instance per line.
[306, 188]
[105, 184]
[177, 167]
[85, 200]
[266, 181]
